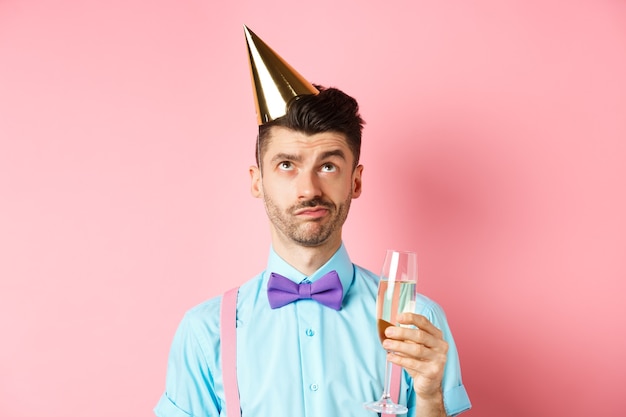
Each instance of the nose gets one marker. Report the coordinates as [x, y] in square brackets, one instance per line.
[308, 185]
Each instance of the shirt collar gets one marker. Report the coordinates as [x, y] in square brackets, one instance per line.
[339, 262]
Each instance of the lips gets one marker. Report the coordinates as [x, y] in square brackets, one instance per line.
[314, 212]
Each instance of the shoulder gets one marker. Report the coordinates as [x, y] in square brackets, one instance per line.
[429, 308]
[426, 306]
[364, 284]
[210, 309]
[433, 312]
[203, 318]
[366, 274]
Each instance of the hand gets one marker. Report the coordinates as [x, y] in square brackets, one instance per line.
[421, 350]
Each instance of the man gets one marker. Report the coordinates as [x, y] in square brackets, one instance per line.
[304, 358]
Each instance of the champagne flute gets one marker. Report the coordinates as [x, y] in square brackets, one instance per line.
[396, 294]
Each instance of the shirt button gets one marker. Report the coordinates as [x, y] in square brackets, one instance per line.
[309, 332]
[314, 387]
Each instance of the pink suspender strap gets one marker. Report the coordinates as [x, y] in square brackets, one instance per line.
[228, 336]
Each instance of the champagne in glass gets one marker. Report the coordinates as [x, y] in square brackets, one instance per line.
[396, 294]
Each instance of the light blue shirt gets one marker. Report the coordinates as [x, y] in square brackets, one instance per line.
[303, 359]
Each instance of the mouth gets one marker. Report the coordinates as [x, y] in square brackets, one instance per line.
[312, 212]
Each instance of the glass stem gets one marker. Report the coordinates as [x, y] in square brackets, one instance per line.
[387, 388]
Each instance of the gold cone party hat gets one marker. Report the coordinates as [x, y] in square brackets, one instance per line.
[274, 81]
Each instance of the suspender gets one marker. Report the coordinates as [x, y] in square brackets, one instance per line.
[228, 336]
[396, 373]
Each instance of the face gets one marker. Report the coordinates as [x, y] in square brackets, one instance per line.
[307, 183]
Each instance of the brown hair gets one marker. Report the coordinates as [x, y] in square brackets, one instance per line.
[331, 110]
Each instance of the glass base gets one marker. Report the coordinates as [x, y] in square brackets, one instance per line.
[386, 406]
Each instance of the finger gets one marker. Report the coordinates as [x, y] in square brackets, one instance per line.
[414, 335]
[411, 350]
[427, 376]
[417, 359]
[419, 321]
[413, 366]
[422, 371]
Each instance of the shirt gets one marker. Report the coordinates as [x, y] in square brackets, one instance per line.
[303, 359]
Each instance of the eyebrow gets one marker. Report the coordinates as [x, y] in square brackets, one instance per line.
[283, 156]
[337, 152]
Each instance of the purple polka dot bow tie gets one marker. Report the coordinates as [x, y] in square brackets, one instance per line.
[327, 290]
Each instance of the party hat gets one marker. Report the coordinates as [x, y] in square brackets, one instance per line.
[274, 81]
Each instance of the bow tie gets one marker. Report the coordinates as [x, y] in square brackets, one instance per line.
[327, 290]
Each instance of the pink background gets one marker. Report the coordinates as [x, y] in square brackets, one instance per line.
[495, 147]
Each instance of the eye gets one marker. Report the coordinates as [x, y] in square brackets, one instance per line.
[329, 168]
[285, 166]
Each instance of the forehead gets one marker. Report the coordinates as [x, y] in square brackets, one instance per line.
[282, 139]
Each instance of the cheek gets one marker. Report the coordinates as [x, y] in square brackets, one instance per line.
[276, 192]
[347, 186]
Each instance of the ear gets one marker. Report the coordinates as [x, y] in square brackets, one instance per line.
[356, 181]
[256, 186]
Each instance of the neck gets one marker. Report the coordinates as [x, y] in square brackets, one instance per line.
[306, 259]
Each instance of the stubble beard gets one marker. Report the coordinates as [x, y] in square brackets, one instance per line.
[308, 233]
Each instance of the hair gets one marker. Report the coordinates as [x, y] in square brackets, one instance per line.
[331, 110]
